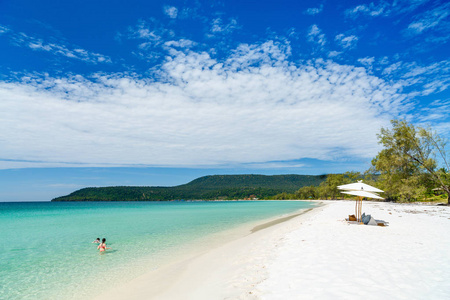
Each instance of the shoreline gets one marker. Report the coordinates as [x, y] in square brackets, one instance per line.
[176, 279]
[278, 221]
[316, 255]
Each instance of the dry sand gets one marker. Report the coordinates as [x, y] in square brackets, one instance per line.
[317, 255]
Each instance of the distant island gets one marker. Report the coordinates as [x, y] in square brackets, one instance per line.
[215, 187]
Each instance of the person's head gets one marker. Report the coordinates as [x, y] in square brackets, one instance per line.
[98, 239]
[103, 240]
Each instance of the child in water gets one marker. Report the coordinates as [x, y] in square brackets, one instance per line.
[97, 241]
[102, 247]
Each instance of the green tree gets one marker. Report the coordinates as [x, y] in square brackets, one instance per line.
[412, 188]
[283, 196]
[351, 176]
[409, 161]
[306, 192]
[328, 188]
[331, 184]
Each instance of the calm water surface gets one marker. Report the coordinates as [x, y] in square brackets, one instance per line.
[46, 249]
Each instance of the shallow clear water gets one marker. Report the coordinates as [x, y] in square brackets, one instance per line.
[46, 249]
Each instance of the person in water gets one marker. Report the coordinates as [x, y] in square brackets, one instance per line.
[102, 247]
[97, 241]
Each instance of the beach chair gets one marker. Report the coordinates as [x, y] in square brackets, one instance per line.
[382, 223]
[369, 220]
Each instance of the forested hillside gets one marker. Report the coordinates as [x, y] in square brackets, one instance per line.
[207, 188]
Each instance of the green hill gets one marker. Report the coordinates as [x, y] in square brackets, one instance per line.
[205, 188]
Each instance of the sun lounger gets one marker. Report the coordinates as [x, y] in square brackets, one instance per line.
[382, 223]
[369, 220]
[372, 221]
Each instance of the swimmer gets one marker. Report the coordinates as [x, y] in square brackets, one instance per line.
[102, 247]
[97, 241]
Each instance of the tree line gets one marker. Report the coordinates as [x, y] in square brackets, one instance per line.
[412, 166]
[214, 187]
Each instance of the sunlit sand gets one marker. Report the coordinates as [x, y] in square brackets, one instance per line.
[317, 255]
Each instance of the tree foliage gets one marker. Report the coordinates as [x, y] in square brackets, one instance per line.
[327, 189]
[408, 163]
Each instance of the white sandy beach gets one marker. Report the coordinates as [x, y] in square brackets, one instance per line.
[317, 255]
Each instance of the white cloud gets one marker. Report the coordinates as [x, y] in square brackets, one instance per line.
[151, 34]
[314, 10]
[4, 29]
[430, 19]
[423, 80]
[171, 11]
[332, 54]
[151, 30]
[275, 165]
[392, 68]
[436, 115]
[383, 60]
[407, 6]
[384, 8]
[346, 42]
[433, 78]
[23, 40]
[255, 106]
[367, 61]
[315, 35]
[182, 43]
[369, 10]
[218, 26]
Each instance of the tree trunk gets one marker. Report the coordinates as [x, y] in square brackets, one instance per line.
[446, 189]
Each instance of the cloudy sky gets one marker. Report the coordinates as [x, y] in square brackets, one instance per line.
[156, 92]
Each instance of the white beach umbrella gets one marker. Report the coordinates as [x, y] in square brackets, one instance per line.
[363, 194]
[359, 186]
[362, 190]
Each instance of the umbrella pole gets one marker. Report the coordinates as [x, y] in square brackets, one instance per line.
[357, 210]
[360, 209]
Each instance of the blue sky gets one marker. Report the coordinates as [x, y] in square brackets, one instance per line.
[96, 93]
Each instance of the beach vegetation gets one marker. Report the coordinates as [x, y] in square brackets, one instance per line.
[307, 192]
[412, 163]
[327, 189]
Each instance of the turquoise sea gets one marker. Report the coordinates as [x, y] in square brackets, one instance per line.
[46, 249]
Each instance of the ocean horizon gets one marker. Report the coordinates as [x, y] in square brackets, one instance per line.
[47, 251]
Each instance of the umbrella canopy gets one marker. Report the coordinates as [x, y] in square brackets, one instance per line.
[359, 186]
[363, 194]
[362, 190]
